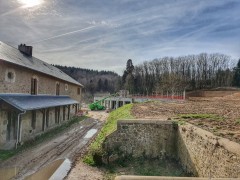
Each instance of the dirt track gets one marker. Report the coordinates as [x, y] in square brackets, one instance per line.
[81, 170]
[66, 145]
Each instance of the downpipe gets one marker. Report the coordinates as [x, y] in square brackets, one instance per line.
[18, 129]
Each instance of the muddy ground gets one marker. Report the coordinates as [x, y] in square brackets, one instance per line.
[81, 170]
[227, 111]
[69, 145]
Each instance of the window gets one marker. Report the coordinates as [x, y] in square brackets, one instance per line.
[10, 75]
[66, 87]
[57, 115]
[34, 86]
[57, 89]
[68, 112]
[78, 91]
[34, 116]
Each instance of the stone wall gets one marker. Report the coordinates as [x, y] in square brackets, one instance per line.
[200, 152]
[27, 131]
[207, 155]
[142, 138]
[3, 126]
[21, 82]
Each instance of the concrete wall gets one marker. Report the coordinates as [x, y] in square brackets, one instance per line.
[199, 151]
[21, 82]
[114, 102]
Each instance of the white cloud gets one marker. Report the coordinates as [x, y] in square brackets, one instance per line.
[104, 34]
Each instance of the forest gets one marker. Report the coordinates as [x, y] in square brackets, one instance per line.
[94, 81]
[191, 72]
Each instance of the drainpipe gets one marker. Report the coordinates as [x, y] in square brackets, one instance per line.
[18, 129]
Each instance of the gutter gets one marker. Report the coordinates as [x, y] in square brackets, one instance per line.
[18, 129]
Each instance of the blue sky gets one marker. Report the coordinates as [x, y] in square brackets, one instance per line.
[104, 34]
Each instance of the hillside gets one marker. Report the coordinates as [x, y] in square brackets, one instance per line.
[94, 81]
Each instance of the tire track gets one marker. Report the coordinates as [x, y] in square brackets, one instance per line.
[66, 145]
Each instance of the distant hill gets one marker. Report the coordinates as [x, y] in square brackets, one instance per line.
[94, 81]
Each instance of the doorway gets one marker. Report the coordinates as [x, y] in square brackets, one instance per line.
[12, 126]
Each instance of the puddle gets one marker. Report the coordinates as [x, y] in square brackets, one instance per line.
[56, 170]
[90, 133]
[62, 171]
[8, 173]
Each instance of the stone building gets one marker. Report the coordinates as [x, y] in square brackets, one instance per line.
[34, 95]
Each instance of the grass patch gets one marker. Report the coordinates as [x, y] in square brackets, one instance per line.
[201, 116]
[5, 154]
[95, 149]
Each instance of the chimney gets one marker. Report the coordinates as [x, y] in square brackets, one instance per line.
[27, 50]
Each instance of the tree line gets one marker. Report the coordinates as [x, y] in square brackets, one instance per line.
[94, 81]
[190, 72]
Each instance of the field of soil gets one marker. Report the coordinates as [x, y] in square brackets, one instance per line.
[220, 116]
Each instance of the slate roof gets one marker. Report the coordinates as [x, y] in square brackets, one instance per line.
[24, 102]
[13, 55]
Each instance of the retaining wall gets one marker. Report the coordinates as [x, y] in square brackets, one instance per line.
[207, 155]
[148, 138]
[199, 151]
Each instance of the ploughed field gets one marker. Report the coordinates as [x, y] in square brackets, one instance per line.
[220, 116]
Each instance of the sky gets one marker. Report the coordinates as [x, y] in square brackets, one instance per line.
[104, 34]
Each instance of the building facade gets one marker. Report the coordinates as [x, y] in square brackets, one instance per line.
[34, 95]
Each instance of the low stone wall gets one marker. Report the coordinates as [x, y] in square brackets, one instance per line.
[207, 155]
[199, 151]
[141, 138]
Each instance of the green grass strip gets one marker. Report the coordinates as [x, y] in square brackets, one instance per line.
[5, 154]
[110, 126]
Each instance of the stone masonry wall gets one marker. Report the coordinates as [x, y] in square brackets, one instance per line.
[22, 82]
[199, 151]
[207, 155]
[27, 132]
[3, 126]
[141, 138]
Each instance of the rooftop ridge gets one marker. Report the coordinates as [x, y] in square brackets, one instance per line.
[12, 55]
